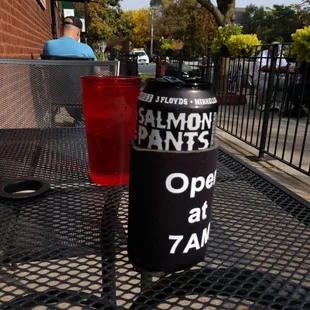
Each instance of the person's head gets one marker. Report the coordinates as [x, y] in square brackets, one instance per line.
[72, 27]
[273, 45]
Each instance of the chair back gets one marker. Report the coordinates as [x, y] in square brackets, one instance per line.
[55, 57]
[63, 84]
[31, 89]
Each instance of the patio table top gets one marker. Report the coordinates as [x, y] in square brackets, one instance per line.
[67, 249]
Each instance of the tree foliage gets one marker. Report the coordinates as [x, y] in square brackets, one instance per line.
[301, 44]
[105, 20]
[273, 24]
[166, 45]
[183, 20]
[253, 20]
[140, 25]
[303, 13]
[155, 3]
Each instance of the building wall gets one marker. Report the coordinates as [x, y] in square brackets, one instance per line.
[239, 13]
[24, 28]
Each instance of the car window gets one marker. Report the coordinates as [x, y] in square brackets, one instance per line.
[140, 53]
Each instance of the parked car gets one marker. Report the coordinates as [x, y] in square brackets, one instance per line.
[143, 58]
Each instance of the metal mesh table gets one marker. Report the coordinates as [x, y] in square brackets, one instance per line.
[67, 248]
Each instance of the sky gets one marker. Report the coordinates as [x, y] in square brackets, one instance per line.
[137, 4]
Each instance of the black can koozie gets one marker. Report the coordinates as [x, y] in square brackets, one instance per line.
[170, 207]
[172, 175]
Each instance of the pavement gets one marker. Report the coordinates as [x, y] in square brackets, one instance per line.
[297, 182]
[287, 138]
[148, 69]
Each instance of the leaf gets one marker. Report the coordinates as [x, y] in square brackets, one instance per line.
[105, 19]
[140, 27]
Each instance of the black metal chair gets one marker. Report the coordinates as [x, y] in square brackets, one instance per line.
[55, 57]
[63, 86]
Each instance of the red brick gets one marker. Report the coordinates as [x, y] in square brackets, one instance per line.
[24, 28]
[4, 5]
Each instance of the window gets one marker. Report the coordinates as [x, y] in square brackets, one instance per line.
[140, 53]
[42, 3]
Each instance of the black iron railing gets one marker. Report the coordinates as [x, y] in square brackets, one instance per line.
[264, 99]
[128, 64]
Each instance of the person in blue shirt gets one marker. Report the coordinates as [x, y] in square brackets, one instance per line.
[68, 45]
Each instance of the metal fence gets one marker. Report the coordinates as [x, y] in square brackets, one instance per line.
[264, 99]
[128, 63]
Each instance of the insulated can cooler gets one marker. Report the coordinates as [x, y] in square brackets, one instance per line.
[172, 175]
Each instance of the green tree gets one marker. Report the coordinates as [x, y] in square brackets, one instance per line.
[183, 20]
[282, 22]
[254, 20]
[166, 44]
[105, 20]
[271, 24]
[199, 32]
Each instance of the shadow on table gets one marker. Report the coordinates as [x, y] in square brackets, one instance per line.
[238, 286]
[234, 172]
[69, 227]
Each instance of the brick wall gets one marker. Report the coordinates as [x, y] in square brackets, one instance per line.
[24, 28]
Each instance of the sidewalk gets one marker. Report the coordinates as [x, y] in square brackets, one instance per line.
[294, 180]
[286, 138]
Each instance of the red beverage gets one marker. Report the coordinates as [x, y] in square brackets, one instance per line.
[109, 105]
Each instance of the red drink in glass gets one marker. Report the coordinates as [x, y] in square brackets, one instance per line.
[109, 105]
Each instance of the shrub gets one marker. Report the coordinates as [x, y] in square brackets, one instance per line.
[223, 35]
[241, 44]
[301, 44]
